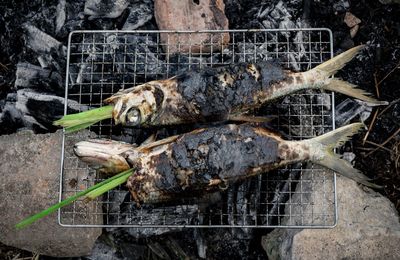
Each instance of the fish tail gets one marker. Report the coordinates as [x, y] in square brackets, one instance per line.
[331, 66]
[323, 146]
[78, 121]
[346, 88]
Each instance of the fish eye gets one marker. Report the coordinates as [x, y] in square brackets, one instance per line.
[133, 117]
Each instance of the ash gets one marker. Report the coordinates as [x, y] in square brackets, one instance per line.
[32, 76]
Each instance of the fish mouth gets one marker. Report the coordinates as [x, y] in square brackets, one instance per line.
[104, 155]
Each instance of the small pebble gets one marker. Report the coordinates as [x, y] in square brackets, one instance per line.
[351, 20]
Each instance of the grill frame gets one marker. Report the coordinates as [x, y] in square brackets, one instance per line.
[332, 182]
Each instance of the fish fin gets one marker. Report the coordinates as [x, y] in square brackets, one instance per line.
[326, 156]
[158, 143]
[151, 139]
[251, 119]
[331, 66]
[119, 94]
[346, 88]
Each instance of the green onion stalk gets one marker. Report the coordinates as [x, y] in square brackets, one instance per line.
[78, 121]
[89, 194]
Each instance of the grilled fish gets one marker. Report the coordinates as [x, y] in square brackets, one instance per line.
[214, 94]
[209, 159]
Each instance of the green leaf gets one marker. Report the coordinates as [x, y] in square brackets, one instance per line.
[121, 176]
[75, 122]
[108, 186]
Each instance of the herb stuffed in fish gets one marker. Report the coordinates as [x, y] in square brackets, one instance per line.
[214, 94]
[210, 159]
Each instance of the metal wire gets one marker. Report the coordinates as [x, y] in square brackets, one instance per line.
[102, 62]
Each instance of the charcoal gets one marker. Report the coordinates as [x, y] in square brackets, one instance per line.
[282, 192]
[10, 119]
[122, 49]
[50, 51]
[341, 6]
[201, 244]
[174, 246]
[350, 109]
[277, 16]
[102, 250]
[35, 110]
[60, 15]
[74, 17]
[139, 14]
[31, 76]
[178, 62]
[105, 8]
[148, 214]
[158, 250]
[41, 42]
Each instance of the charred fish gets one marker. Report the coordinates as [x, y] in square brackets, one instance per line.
[214, 94]
[210, 159]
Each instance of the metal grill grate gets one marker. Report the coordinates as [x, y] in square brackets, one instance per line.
[102, 62]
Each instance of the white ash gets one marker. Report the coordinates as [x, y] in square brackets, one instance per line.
[348, 156]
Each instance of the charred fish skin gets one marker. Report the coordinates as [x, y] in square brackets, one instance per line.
[210, 159]
[217, 93]
[203, 162]
[200, 95]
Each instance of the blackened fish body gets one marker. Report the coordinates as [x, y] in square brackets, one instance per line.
[210, 159]
[218, 92]
[203, 161]
[225, 92]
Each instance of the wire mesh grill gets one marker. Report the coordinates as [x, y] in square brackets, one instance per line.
[102, 62]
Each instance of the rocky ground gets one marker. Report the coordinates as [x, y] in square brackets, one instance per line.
[377, 152]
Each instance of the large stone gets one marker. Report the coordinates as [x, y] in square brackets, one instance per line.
[29, 182]
[368, 228]
[191, 15]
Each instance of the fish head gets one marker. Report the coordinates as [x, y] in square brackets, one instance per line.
[138, 106]
[107, 156]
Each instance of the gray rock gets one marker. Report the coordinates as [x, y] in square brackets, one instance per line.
[368, 227]
[29, 182]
